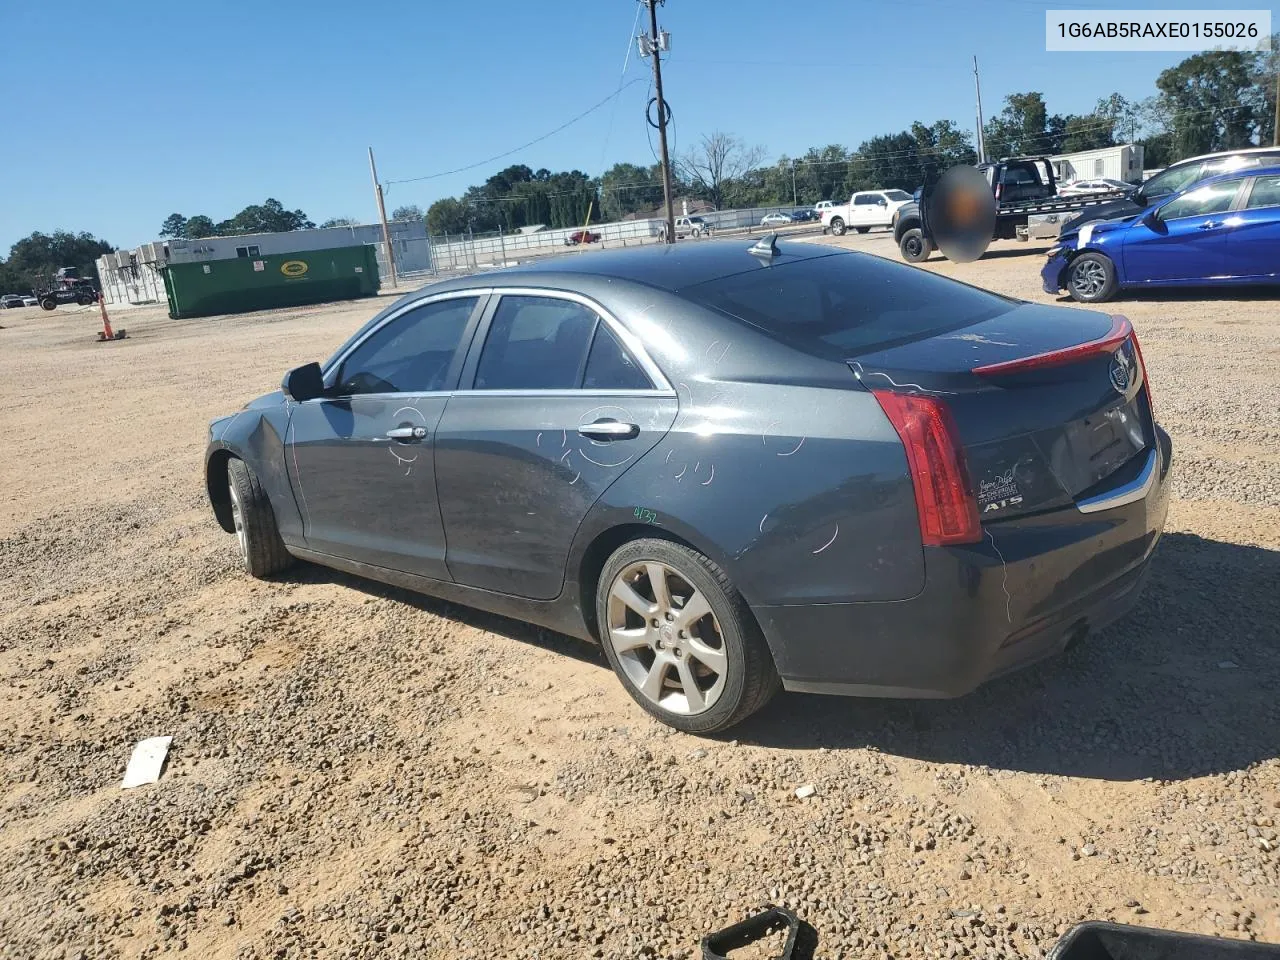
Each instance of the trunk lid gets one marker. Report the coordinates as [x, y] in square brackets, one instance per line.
[1041, 424]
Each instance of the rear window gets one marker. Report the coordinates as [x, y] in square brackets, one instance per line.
[846, 304]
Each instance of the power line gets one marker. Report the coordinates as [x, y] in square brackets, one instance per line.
[523, 146]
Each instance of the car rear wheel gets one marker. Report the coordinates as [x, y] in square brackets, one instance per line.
[837, 226]
[1091, 278]
[681, 638]
[914, 247]
[261, 549]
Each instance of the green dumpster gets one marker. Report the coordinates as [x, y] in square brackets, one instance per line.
[244, 284]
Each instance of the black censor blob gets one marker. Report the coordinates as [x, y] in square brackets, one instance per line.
[961, 214]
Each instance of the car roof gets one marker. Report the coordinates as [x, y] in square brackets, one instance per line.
[670, 267]
[1271, 170]
[1242, 152]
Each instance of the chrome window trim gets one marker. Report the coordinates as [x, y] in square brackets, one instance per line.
[631, 342]
[340, 359]
[1136, 489]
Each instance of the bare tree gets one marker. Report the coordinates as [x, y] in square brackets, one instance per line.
[716, 164]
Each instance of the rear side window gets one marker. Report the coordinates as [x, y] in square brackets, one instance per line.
[410, 354]
[610, 367]
[1266, 193]
[535, 343]
[845, 304]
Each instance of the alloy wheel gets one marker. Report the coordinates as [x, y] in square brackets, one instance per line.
[237, 518]
[1088, 278]
[667, 641]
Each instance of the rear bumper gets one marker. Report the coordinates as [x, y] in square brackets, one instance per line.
[1030, 588]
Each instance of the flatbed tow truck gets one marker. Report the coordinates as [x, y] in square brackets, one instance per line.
[1027, 206]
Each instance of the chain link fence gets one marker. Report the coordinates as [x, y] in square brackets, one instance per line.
[452, 254]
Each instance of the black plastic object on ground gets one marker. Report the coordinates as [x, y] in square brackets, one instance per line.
[801, 941]
[960, 214]
[1115, 941]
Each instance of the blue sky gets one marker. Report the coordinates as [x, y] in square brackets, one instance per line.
[206, 108]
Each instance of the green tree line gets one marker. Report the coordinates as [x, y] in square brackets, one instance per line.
[1219, 100]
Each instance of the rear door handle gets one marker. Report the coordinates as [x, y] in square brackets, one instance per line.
[609, 430]
[407, 433]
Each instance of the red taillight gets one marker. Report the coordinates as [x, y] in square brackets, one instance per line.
[948, 512]
[1121, 330]
[1142, 364]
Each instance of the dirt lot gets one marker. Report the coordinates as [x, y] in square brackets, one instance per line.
[357, 771]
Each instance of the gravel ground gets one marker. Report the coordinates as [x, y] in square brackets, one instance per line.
[357, 771]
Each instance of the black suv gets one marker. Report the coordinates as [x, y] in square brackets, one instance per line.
[1173, 178]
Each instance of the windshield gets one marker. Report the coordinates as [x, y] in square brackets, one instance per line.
[1169, 181]
[845, 304]
[897, 195]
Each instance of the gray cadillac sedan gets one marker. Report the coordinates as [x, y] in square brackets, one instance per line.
[738, 467]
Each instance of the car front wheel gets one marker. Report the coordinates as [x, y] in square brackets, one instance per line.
[837, 226]
[681, 638]
[261, 549]
[914, 247]
[1091, 278]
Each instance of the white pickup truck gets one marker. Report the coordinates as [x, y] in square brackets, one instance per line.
[865, 209]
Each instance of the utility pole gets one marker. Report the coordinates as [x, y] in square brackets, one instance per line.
[1275, 130]
[794, 202]
[652, 43]
[977, 87]
[382, 214]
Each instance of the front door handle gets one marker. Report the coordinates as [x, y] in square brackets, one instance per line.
[609, 430]
[407, 433]
[1210, 224]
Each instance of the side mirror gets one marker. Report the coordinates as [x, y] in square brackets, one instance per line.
[1152, 218]
[303, 383]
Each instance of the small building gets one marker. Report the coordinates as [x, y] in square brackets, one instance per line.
[1123, 162]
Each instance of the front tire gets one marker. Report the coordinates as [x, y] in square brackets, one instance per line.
[48, 303]
[913, 246]
[837, 226]
[261, 549]
[1091, 278]
[681, 638]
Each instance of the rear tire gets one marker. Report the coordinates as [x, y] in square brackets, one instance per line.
[837, 226]
[913, 246]
[1091, 278]
[702, 676]
[261, 549]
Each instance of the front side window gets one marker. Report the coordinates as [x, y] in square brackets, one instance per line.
[897, 195]
[1266, 193]
[535, 343]
[1211, 198]
[410, 354]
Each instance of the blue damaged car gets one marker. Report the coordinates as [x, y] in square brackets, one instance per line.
[1225, 230]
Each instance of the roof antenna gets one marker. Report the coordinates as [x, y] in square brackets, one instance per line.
[766, 247]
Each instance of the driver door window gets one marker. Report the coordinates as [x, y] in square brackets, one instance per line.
[1211, 198]
[410, 354]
